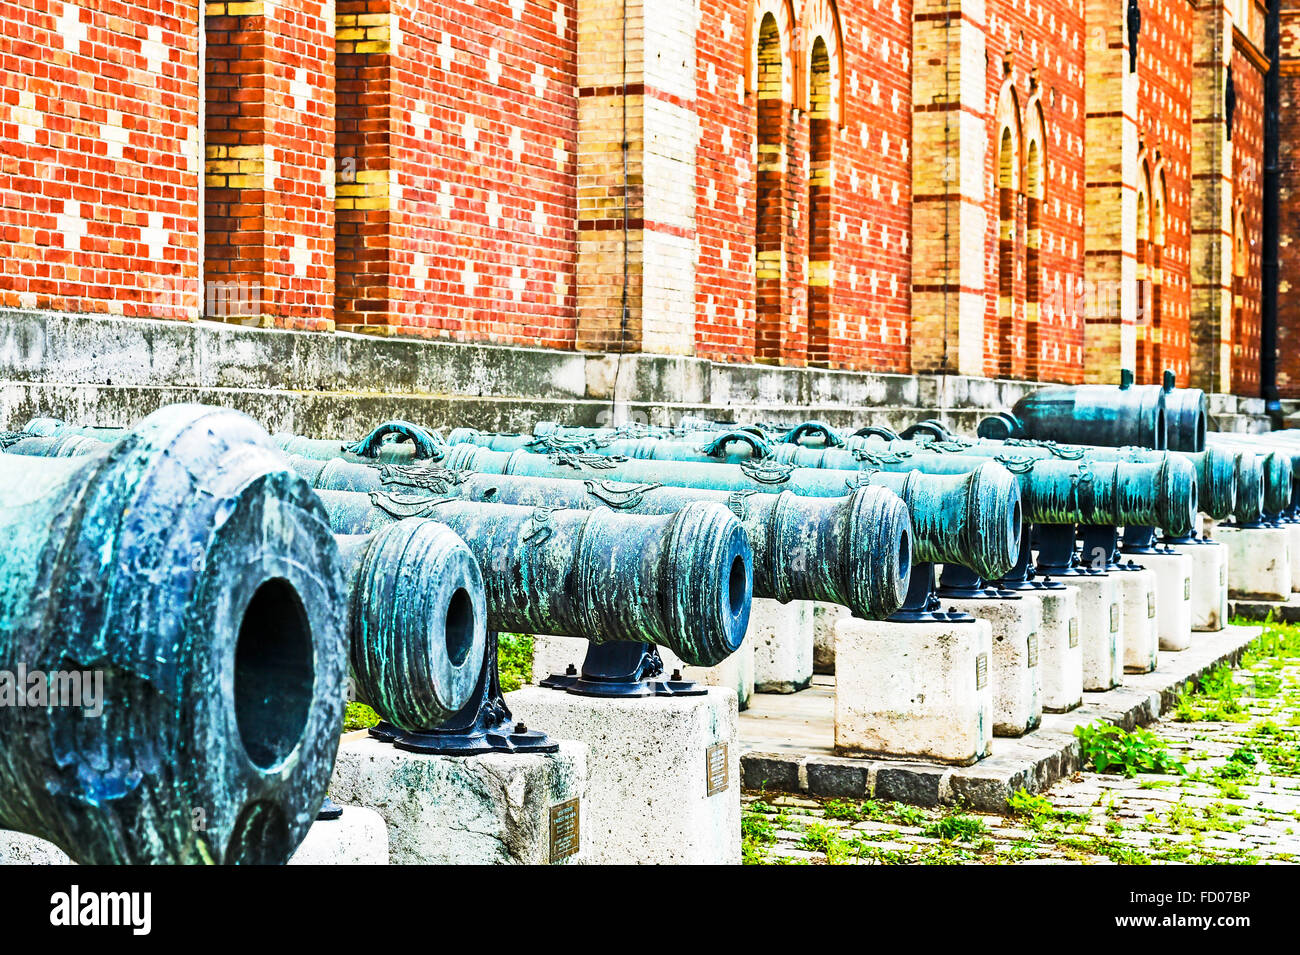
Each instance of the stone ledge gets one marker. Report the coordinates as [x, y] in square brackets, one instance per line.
[1283, 611]
[1033, 762]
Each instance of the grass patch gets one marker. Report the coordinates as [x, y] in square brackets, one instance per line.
[358, 716]
[1108, 748]
[515, 659]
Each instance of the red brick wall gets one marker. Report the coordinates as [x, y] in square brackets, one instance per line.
[870, 212]
[1165, 123]
[269, 213]
[1247, 180]
[99, 182]
[485, 244]
[1288, 318]
[1049, 38]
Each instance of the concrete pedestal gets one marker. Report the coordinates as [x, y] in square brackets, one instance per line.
[1138, 619]
[825, 618]
[358, 837]
[1101, 642]
[1173, 573]
[1293, 547]
[1209, 610]
[1060, 654]
[1017, 649]
[495, 808]
[1259, 561]
[663, 781]
[917, 690]
[782, 638]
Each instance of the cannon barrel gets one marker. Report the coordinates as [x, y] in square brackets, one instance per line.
[682, 580]
[1161, 493]
[969, 519]
[854, 550]
[1149, 416]
[417, 621]
[194, 574]
[1279, 462]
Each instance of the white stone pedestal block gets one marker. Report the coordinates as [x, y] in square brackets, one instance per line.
[1293, 548]
[1017, 648]
[1209, 584]
[1259, 561]
[1173, 573]
[663, 772]
[494, 808]
[1138, 619]
[825, 618]
[1060, 653]
[782, 638]
[18, 848]
[1101, 641]
[358, 837]
[917, 690]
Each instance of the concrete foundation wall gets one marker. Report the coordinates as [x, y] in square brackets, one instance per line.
[109, 371]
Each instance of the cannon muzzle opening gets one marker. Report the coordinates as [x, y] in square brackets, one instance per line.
[879, 560]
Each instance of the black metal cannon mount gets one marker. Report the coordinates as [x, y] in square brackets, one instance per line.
[1101, 549]
[1024, 576]
[483, 725]
[923, 604]
[623, 670]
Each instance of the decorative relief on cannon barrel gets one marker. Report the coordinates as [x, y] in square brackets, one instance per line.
[621, 497]
[583, 461]
[441, 480]
[767, 472]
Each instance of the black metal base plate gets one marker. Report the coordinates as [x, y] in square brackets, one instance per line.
[509, 737]
[1031, 585]
[932, 616]
[631, 689]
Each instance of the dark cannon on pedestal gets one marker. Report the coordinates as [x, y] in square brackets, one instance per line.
[189, 569]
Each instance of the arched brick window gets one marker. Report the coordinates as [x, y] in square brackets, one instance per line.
[821, 182]
[769, 193]
[1036, 137]
[1007, 177]
[1159, 353]
[1143, 371]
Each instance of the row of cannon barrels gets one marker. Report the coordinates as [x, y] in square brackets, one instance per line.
[227, 583]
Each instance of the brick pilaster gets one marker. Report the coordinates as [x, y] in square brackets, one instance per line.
[269, 218]
[636, 206]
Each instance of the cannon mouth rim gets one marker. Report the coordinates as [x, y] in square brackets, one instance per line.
[996, 493]
[419, 623]
[878, 577]
[1179, 500]
[713, 590]
[1220, 497]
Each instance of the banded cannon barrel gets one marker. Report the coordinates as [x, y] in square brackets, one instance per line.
[969, 519]
[682, 580]
[194, 574]
[1150, 416]
[854, 551]
[417, 621]
[1279, 462]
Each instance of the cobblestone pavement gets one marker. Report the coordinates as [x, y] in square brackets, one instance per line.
[1232, 795]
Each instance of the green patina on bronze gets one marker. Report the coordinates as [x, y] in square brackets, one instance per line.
[971, 519]
[194, 573]
[417, 621]
[682, 580]
[1147, 416]
[854, 550]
